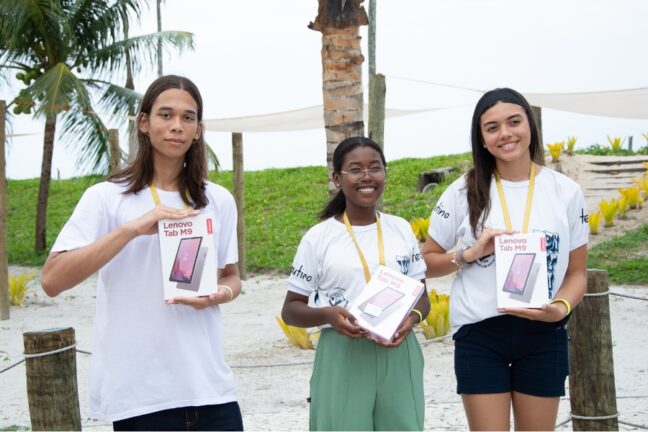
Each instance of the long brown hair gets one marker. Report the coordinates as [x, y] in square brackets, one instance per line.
[478, 179]
[139, 174]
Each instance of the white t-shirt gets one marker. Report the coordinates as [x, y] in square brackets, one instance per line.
[327, 264]
[147, 355]
[558, 210]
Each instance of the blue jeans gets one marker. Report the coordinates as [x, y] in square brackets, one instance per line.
[224, 417]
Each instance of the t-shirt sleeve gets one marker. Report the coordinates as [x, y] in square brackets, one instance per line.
[89, 222]
[304, 270]
[417, 267]
[578, 220]
[228, 241]
[446, 217]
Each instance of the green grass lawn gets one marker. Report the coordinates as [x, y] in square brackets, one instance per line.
[281, 204]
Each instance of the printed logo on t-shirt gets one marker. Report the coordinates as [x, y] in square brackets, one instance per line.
[584, 216]
[416, 257]
[299, 273]
[485, 261]
[438, 209]
[553, 247]
[403, 261]
[336, 297]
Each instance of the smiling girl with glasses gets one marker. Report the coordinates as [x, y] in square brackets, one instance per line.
[357, 383]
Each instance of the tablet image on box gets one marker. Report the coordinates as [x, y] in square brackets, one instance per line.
[518, 274]
[521, 270]
[185, 260]
[386, 300]
[379, 306]
[188, 256]
[194, 285]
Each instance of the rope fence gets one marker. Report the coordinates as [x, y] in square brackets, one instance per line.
[571, 415]
[424, 343]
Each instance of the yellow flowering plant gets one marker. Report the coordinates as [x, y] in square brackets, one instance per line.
[631, 196]
[571, 142]
[18, 287]
[555, 150]
[437, 323]
[298, 336]
[615, 143]
[609, 211]
[594, 220]
[420, 227]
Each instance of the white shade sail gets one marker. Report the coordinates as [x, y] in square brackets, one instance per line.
[295, 120]
[628, 103]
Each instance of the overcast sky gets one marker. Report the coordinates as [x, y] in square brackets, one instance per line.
[258, 56]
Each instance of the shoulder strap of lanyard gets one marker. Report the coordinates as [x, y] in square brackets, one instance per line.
[156, 197]
[527, 207]
[381, 247]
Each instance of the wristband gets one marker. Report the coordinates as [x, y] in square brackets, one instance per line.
[458, 259]
[420, 315]
[461, 257]
[563, 301]
[229, 290]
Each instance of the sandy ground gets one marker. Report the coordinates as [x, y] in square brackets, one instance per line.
[272, 376]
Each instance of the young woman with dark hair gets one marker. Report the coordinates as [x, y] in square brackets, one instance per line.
[156, 365]
[511, 357]
[357, 383]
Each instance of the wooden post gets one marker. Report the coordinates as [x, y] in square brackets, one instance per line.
[377, 90]
[239, 198]
[591, 367]
[52, 380]
[4, 272]
[537, 115]
[372, 40]
[113, 139]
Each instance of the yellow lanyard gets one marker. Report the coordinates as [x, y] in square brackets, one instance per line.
[527, 207]
[381, 247]
[156, 197]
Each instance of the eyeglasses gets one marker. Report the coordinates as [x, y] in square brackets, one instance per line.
[357, 174]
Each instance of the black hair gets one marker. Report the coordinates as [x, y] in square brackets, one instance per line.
[337, 205]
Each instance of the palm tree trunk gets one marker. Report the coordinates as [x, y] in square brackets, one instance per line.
[339, 21]
[46, 176]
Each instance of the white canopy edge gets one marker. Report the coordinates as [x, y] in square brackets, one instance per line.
[627, 103]
[294, 120]
[21, 135]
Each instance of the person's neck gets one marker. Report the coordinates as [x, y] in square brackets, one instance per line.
[359, 216]
[515, 170]
[166, 174]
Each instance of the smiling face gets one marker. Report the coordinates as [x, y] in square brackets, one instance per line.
[362, 190]
[172, 125]
[506, 133]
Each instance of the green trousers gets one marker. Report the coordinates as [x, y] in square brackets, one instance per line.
[359, 385]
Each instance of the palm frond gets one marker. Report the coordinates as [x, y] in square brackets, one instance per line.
[53, 92]
[29, 28]
[141, 48]
[119, 101]
[212, 159]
